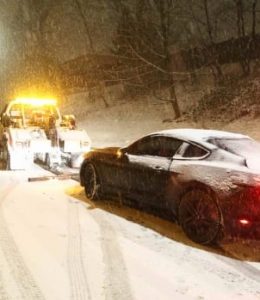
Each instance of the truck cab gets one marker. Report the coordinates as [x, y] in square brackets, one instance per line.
[33, 128]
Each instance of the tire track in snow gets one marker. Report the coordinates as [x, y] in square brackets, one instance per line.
[238, 270]
[18, 269]
[238, 276]
[242, 267]
[77, 274]
[116, 278]
[3, 292]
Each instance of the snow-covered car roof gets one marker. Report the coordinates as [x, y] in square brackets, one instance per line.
[200, 135]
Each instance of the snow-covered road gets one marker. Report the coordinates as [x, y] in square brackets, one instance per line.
[55, 244]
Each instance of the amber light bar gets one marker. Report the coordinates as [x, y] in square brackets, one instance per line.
[36, 101]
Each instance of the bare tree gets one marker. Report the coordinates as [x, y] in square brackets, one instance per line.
[204, 15]
[80, 10]
[254, 4]
[34, 16]
[213, 55]
[90, 47]
[244, 44]
[35, 68]
[144, 41]
[254, 21]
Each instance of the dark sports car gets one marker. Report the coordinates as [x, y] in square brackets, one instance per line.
[208, 180]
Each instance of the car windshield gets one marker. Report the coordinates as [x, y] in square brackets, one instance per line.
[243, 147]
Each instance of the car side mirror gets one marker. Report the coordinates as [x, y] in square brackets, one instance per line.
[121, 152]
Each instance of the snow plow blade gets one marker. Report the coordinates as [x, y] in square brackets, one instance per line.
[52, 177]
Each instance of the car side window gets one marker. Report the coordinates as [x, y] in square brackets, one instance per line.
[150, 146]
[140, 147]
[169, 146]
[156, 146]
[193, 151]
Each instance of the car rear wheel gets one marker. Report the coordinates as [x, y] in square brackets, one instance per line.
[91, 182]
[200, 217]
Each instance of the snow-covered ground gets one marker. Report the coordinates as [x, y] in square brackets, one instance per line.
[55, 244]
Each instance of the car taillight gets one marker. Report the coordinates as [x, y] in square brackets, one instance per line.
[244, 222]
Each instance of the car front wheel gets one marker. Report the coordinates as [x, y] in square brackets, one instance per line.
[91, 182]
[200, 217]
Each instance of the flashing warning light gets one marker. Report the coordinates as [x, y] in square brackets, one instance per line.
[244, 222]
[36, 101]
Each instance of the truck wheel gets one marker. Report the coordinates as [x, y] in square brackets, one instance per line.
[4, 158]
[49, 163]
[48, 160]
[200, 217]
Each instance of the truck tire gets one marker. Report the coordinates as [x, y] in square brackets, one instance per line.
[4, 158]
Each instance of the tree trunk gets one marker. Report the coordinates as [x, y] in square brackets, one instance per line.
[244, 49]
[220, 75]
[252, 45]
[216, 66]
[164, 8]
[85, 23]
[174, 101]
[254, 18]
[103, 93]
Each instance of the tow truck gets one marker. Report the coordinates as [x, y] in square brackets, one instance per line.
[33, 129]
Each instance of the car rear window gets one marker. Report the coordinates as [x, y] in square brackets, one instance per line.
[243, 147]
[193, 151]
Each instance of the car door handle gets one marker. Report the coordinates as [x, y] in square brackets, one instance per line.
[158, 168]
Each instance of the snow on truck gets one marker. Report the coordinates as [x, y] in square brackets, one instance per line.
[32, 128]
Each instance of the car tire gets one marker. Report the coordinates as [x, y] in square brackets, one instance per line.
[5, 159]
[200, 217]
[91, 182]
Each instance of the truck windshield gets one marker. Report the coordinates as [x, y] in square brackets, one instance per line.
[39, 115]
[31, 115]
